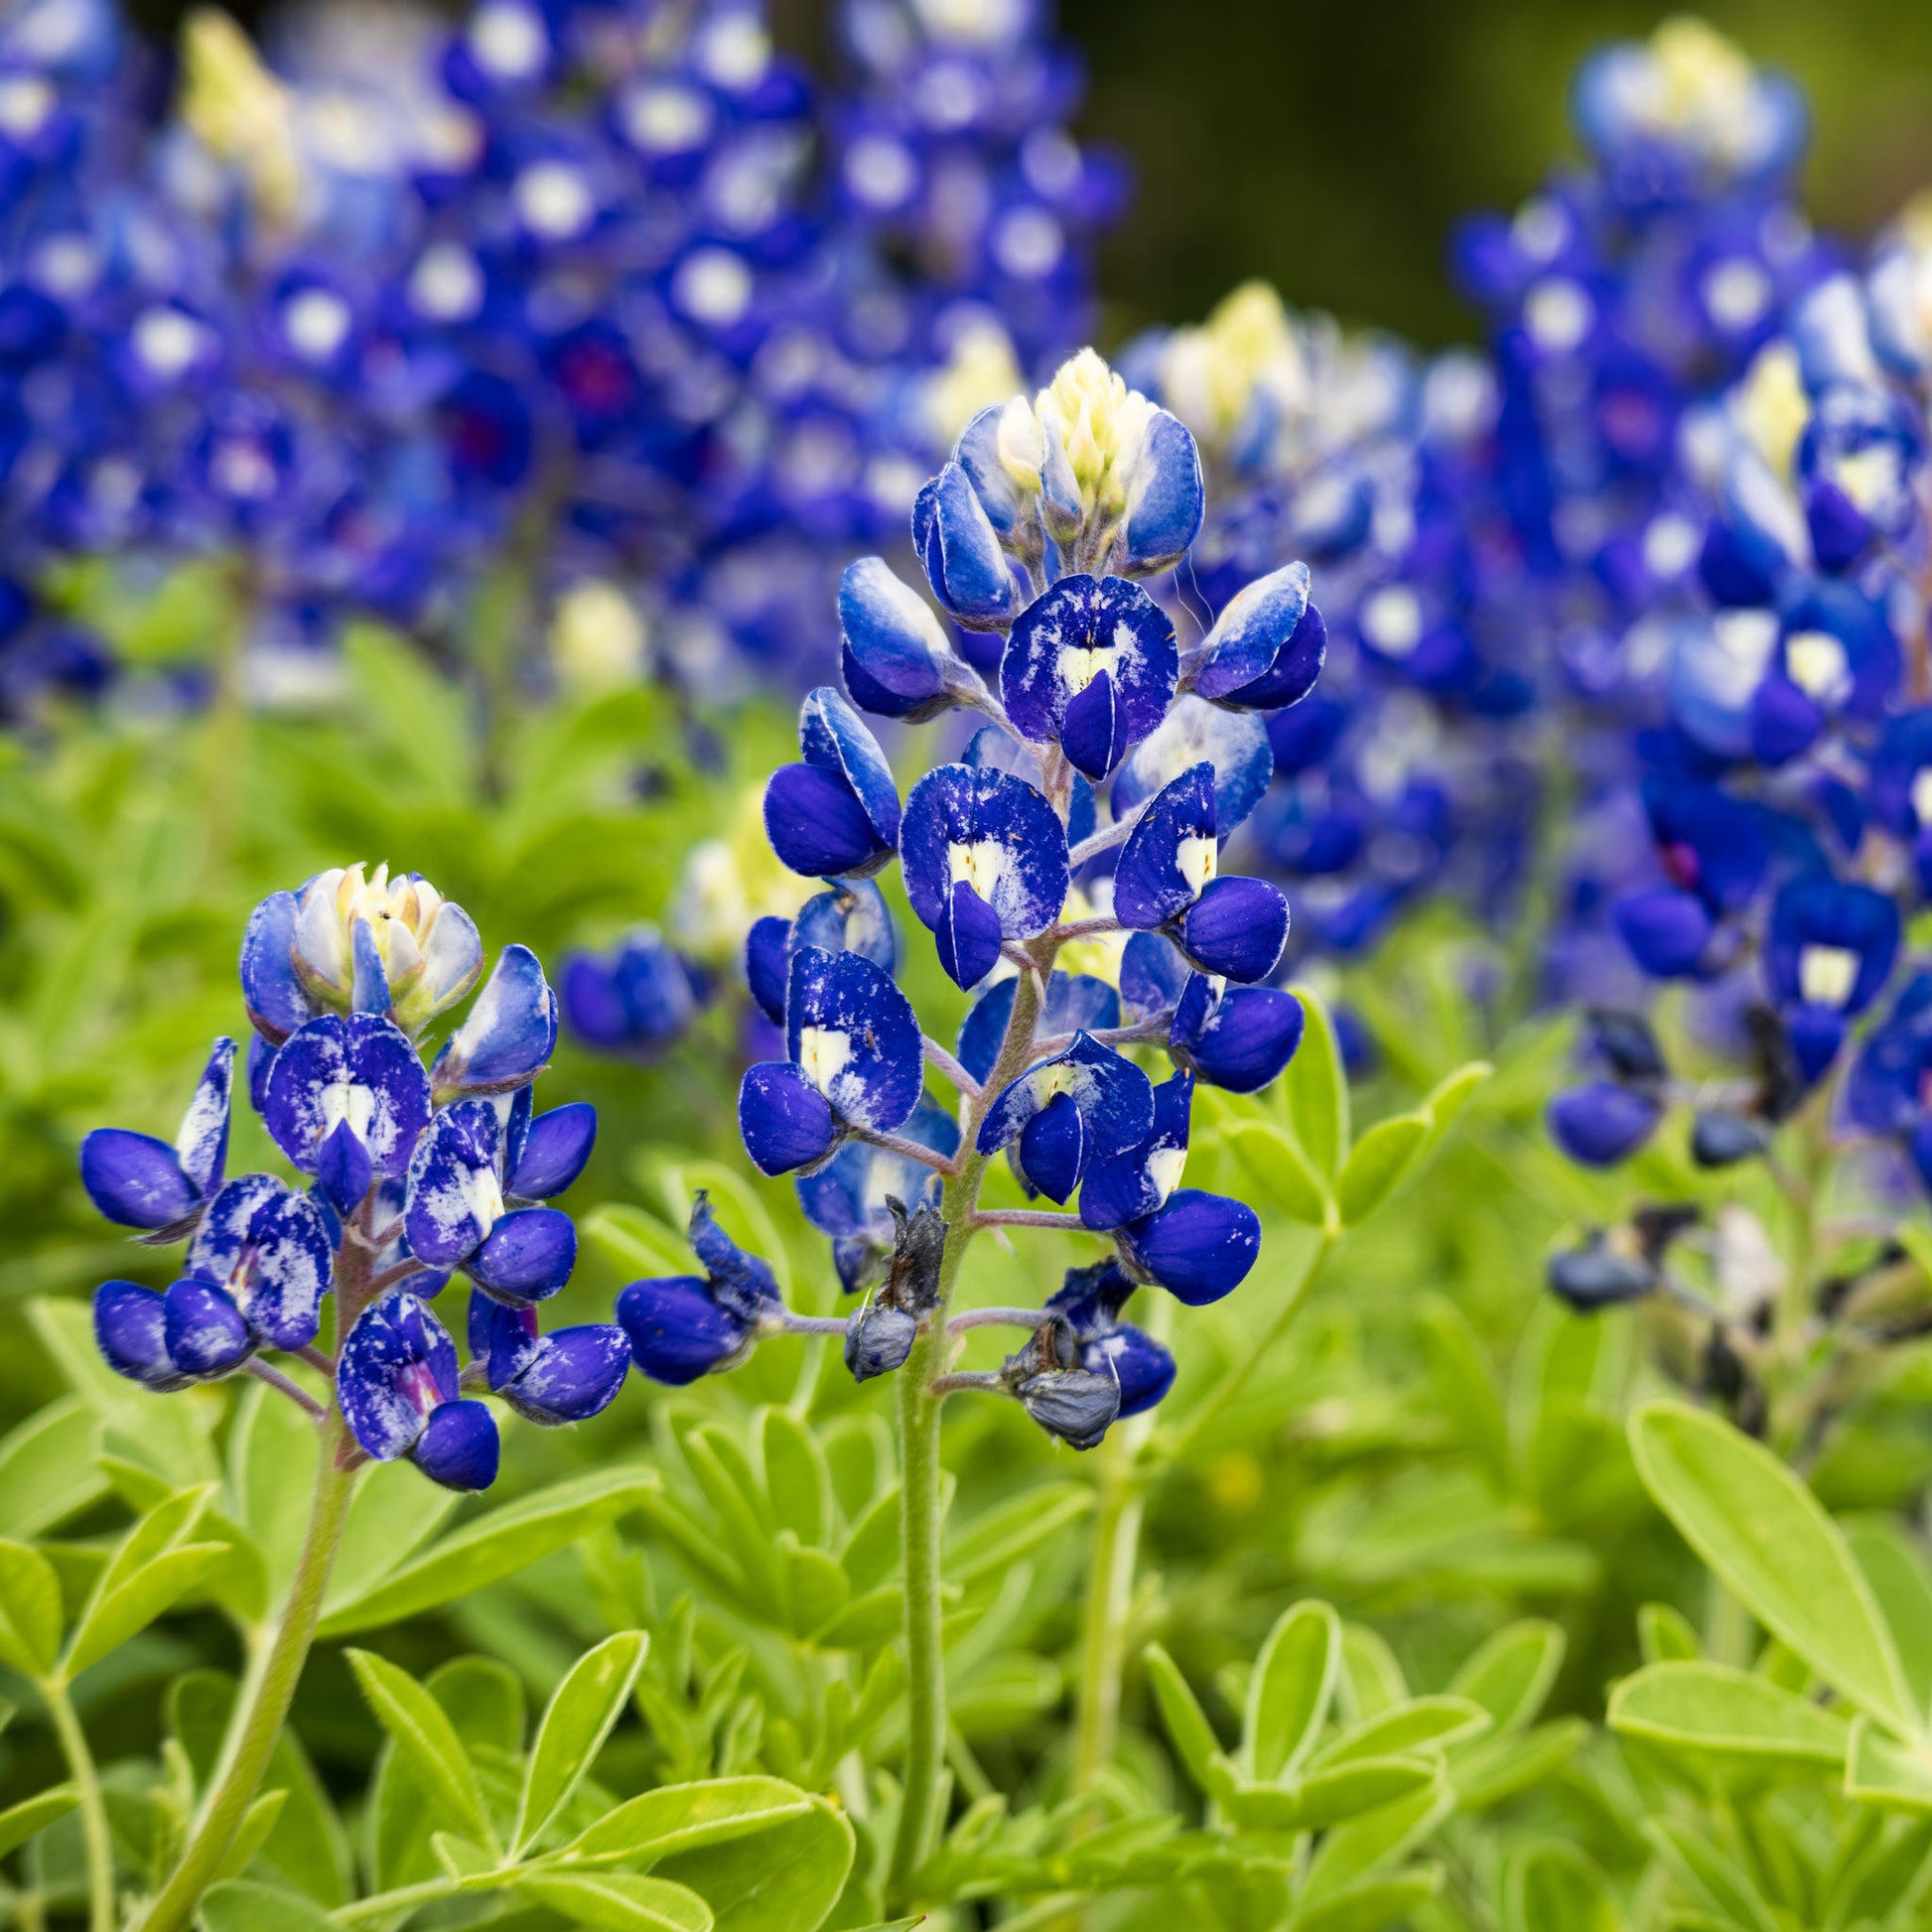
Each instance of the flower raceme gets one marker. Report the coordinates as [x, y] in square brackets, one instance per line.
[1108, 767]
[407, 1175]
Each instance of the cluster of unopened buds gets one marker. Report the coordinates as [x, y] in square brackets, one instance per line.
[407, 1175]
[1091, 805]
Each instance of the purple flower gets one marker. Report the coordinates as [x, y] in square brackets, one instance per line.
[1084, 1104]
[683, 1326]
[836, 814]
[143, 1182]
[398, 1384]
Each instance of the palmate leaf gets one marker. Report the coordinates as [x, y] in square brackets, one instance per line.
[619, 1902]
[19, 1823]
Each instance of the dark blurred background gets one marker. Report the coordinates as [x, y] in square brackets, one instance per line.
[1329, 147]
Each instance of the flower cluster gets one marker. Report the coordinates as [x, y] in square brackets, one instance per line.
[1108, 767]
[407, 1175]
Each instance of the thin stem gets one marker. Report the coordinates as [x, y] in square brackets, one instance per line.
[275, 1379]
[1101, 922]
[908, 1150]
[962, 1379]
[997, 1319]
[383, 1904]
[258, 1722]
[1176, 1449]
[950, 1068]
[809, 1325]
[1110, 1593]
[1101, 841]
[318, 1358]
[1150, 1032]
[94, 1809]
[923, 1806]
[400, 1271]
[1028, 1217]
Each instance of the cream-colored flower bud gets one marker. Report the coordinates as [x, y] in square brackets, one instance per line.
[1023, 444]
[240, 110]
[598, 640]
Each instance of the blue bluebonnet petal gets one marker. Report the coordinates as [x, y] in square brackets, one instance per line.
[834, 738]
[1171, 854]
[202, 1330]
[135, 1179]
[851, 916]
[896, 660]
[783, 1120]
[509, 1035]
[767, 966]
[856, 1038]
[1602, 1122]
[960, 551]
[1236, 929]
[1111, 1095]
[997, 751]
[1234, 742]
[343, 1168]
[527, 1256]
[676, 1331]
[271, 987]
[1092, 664]
[1831, 944]
[967, 936]
[261, 1057]
[202, 1145]
[837, 814]
[1053, 1147]
[994, 834]
[1136, 1181]
[635, 1001]
[1240, 1039]
[1668, 931]
[1199, 1247]
[370, 987]
[455, 1183]
[572, 1375]
[1153, 975]
[129, 1332]
[1076, 1003]
[554, 1152]
[502, 1338]
[1165, 498]
[397, 1365]
[1252, 631]
[362, 1070]
[459, 1446]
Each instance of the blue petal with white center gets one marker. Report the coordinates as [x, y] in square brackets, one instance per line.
[1234, 742]
[362, 1070]
[1084, 1103]
[1092, 664]
[509, 1035]
[894, 652]
[837, 814]
[985, 858]
[1171, 854]
[1136, 1181]
[398, 1384]
[455, 1185]
[269, 1250]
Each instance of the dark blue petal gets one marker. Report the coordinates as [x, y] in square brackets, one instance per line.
[1296, 666]
[783, 1120]
[202, 1330]
[270, 986]
[1831, 944]
[128, 1330]
[1199, 1247]
[1054, 1148]
[1236, 929]
[1112, 1094]
[817, 824]
[362, 1070]
[397, 1364]
[1076, 1003]
[1240, 1040]
[964, 562]
[343, 1169]
[281, 1271]
[1601, 1123]
[573, 1374]
[554, 1152]
[135, 1179]
[854, 1037]
[203, 1141]
[897, 660]
[767, 960]
[526, 1257]
[677, 1333]
[509, 1035]
[1152, 976]
[1166, 499]
[850, 917]
[459, 1446]
[1170, 855]
[996, 833]
[1144, 1369]
[1667, 931]
[834, 738]
[369, 988]
[502, 1338]
[967, 936]
[1252, 630]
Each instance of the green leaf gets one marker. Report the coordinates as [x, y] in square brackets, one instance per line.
[1709, 1876]
[1407, 1726]
[30, 1610]
[1763, 1531]
[1713, 1709]
[1194, 1736]
[48, 1468]
[19, 1823]
[635, 1241]
[795, 1477]
[391, 1515]
[1882, 1771]
[151, 1570]
[1377, 1839]
[1466, 1390]
[1274, 1164]
[786, 1880]
[251, 1834]
[1496, 1768]
[1371, 1678]
[1551, 1885]
[426, 1741]
[993, 1542]
[272, 1454]
[1291, 1687]
[496, 1545]
[1451, 1094]
[1665, 1635]
[1327, 1798]
[1374, 1903]
[1895, 1568]
[686, 1817]
[483, 1699]
[1315, 1088]
[240, 1905]
[1510, 1675]
[617, 1902]
[586, 1703]
[1377, 1164]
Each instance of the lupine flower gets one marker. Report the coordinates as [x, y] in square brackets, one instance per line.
[851, 1197]
[1064, 1396]
[837, 814]
[566, 1376]
[1083, 1104]
[1235, 1036]
[850, 917]
[143, 1182]
[346, 1100]
[880, 1336]
[634, 1001]
[1828, 954]
[400, 1393]
[1605, 1121]
[1089, 1303]
[685, 1325]
[1076, 1003]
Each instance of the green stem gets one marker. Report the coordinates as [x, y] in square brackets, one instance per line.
[1110, 1599]
[93, 1812]
[1172, 1450]
[920, 1514]
[258, 1724]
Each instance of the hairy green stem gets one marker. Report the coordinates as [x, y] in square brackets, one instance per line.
[257, 1724]
[93, 1811]
[1110, 1597]
[922, 1803]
